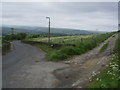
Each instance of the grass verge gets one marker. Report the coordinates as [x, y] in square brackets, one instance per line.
[109, 78]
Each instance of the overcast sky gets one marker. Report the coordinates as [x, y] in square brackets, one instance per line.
[77, 15]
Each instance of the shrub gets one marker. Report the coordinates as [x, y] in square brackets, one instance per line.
[70, 50]
[33, 36]
[56, 56]
[19, 36]
[65, 53]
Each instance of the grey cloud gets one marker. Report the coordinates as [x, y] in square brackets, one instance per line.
[87, 15]
[88, 7]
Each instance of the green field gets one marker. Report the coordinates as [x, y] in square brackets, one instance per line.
[78, 39]
[63, 39]
[83, 44]
[109, 78]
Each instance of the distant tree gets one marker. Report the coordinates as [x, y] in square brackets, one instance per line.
[19, 36]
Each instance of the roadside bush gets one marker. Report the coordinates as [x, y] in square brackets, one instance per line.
[9, 37]
[56, 56]
[65, 53]
[84, 47]
[19, 36]
[33, 36]
[70, 50]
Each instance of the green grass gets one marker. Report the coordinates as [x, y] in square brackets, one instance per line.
[104, 47]
[83, 44]
[77, 39]
[64, 53]
[109, 78]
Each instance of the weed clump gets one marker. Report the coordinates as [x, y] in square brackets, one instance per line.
[65, 52]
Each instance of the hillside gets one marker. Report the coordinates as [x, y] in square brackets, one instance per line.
[44, 30]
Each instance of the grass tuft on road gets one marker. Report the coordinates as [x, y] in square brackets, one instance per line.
[104, 47]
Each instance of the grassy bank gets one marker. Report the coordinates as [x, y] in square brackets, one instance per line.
[109, 78]
[83, 44]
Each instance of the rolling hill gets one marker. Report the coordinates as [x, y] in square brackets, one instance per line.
[44, 30]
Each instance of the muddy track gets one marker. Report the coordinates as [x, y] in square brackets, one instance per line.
[84, 67]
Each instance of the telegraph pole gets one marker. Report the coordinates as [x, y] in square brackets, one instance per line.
[48, 30]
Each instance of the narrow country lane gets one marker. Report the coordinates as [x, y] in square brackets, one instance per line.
[26, 67]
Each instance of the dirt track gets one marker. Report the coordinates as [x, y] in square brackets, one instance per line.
[84, 67]
[26, 67]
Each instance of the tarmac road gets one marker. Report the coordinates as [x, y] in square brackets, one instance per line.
[26, 67]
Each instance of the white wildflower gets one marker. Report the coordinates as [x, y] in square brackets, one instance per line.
[106, 65]
[97, 79]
